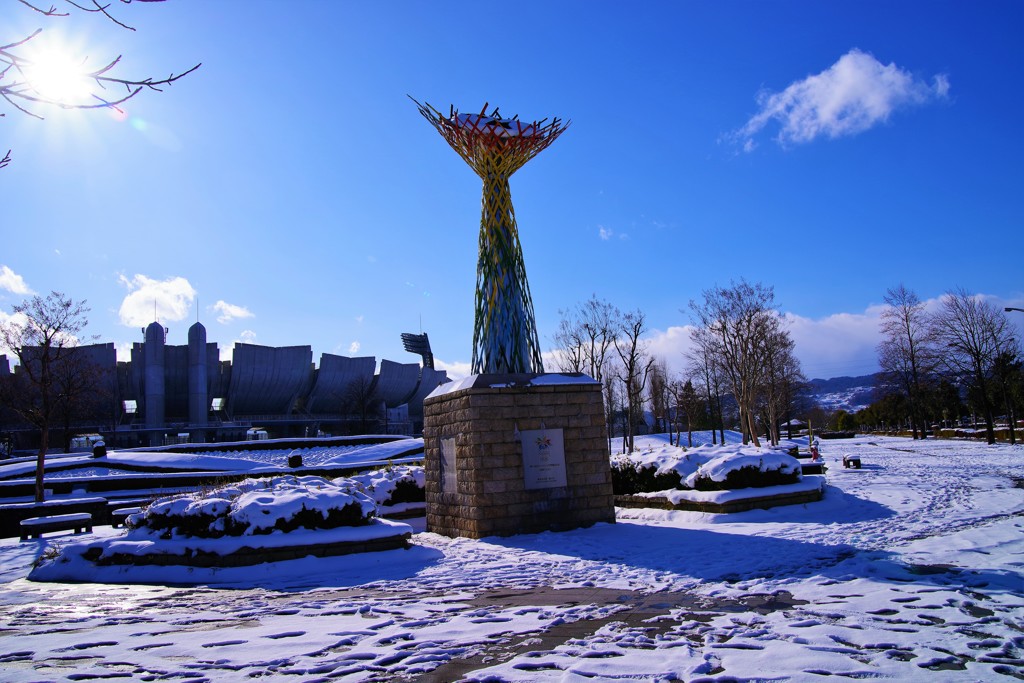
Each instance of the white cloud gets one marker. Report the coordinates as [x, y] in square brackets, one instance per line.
[124, 350]
[856, 93]
[13, 283]
[15, 319]
[227, 351]
[605, 233]
[164, 300]
[456, 370]
[354, 347]
[836, 345]
[671, 345]
[229, 312]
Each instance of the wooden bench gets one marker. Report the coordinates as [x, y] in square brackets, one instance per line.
[37, 526]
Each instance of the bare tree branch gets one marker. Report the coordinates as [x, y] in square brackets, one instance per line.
[52, 12]
[19, 91]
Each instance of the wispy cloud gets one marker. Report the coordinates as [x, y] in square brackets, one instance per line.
[354, 347]
[228, 312]
[166, 300]
[13, 283]
[856, 93]
[607, 233]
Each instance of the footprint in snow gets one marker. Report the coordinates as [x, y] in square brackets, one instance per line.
[87, 646]
[224, 643]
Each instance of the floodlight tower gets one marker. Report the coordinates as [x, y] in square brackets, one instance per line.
[504, 331]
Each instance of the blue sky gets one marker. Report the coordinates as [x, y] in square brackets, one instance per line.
[288, 193]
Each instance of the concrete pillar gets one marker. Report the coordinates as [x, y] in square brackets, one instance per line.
[153, 354]
[198, 383]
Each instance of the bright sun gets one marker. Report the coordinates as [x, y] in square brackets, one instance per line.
[55, 75]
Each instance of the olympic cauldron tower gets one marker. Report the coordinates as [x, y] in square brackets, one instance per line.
[504, 332]
[511, 449]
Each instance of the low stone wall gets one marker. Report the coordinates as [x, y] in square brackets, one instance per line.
[741, 505]
[480, 481]
[245, 557]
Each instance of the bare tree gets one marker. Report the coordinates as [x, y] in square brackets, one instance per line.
[740, 322]
[42, 334]
[971, 333]
[1009, 375]
[635, 370]
[85, 391]
[780, 380]
[690, 405]
[21, 83]
[658, 395]
[586, 335]
[357, 400]
[907, 353]
[611, 396]
[702, 365]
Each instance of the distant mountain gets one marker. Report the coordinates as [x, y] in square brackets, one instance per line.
[825, 386]
[843, 393]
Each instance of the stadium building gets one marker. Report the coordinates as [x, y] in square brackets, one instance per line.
[174, 394]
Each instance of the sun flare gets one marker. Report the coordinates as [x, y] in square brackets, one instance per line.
[54, 74]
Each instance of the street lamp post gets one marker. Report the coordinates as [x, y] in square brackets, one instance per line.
[1011, 308]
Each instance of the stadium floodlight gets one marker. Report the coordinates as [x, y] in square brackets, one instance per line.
[504, 332]
[420, 345]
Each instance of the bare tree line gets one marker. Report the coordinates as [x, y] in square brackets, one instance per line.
[742, 355]
[965, 341]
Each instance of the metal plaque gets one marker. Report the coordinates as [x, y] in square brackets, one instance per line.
[449, 483]
[543, 458]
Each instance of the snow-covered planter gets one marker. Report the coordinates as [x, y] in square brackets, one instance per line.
[706, 468]
[256, 507]
[716, 479]
[251, 522]
[394, 485]
[745, 470]
[630, 477]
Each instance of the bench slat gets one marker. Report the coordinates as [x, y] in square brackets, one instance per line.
[37, 526]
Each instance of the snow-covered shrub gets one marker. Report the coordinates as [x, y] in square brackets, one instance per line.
[706, 468]
[393, 485]
[257, 506]
[745, 470]
[630, 477]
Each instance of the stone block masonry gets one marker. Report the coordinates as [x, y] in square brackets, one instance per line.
[477, 458]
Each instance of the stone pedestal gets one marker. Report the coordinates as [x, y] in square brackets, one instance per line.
[512, 454]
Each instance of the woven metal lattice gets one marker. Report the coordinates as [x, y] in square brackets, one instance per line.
[505, 332]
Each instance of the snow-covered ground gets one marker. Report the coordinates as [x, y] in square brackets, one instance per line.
[911, 568]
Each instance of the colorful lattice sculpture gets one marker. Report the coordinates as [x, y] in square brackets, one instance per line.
[505, 332]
